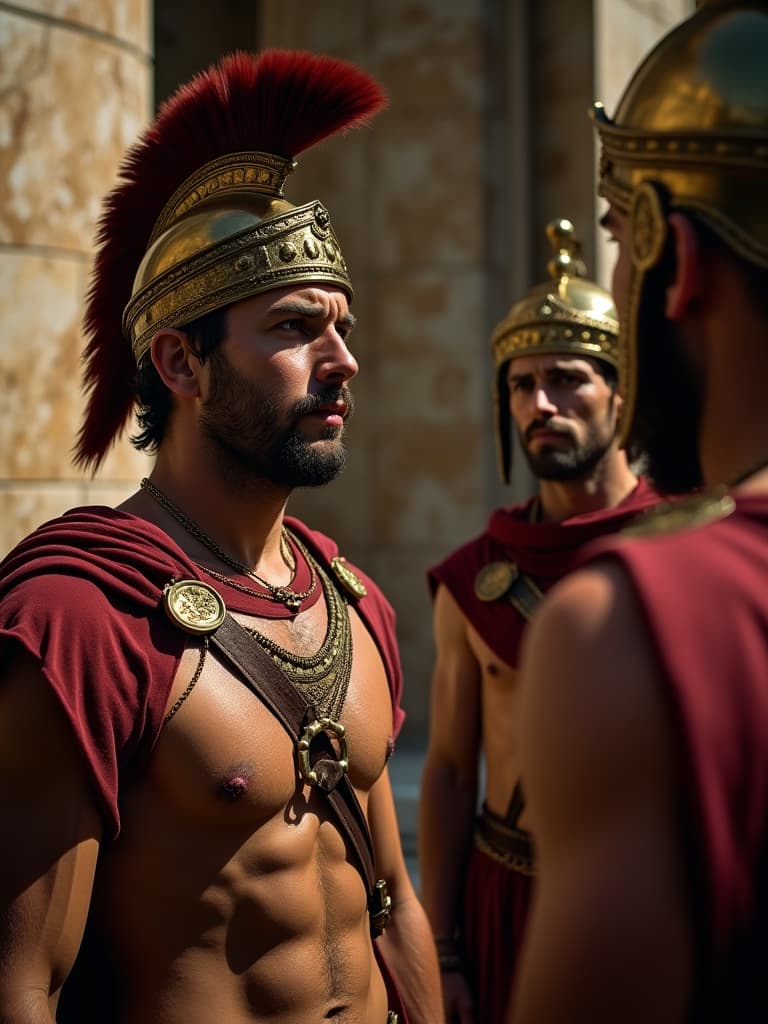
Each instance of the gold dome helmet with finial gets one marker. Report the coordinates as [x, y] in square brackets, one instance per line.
[690, 133]
[566, 314]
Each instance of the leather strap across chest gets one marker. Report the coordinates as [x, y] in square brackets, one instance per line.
[263, 677]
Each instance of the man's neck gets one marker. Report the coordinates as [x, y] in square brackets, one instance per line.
[244, 522]
[607, 487]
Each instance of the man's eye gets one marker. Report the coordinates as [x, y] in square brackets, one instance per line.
[290, 325]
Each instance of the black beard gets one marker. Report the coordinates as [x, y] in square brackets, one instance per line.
[668, 401]
[244, 426]
[574, 463]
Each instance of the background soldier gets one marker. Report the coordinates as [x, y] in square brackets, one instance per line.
[556, 355]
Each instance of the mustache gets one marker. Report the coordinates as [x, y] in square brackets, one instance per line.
[327, 396]
[549, 425]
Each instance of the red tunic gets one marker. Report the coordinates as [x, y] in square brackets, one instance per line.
[704, 597]
[496, 898]
[83, 595]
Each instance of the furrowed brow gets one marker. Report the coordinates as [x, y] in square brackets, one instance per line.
[309, 310]
[295, 307]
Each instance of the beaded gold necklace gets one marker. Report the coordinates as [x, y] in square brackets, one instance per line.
[322, 678]
[285, 594]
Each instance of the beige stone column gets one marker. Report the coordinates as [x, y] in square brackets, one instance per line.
[75, 86]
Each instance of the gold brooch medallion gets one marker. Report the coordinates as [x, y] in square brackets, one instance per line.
[194, 606]
[348, 577]
[494, 580]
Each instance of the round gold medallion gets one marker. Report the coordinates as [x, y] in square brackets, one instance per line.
[194, 606]
[348, 577]
[494, 580]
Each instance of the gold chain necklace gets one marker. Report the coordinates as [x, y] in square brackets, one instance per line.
[286, 595]
[322, 678]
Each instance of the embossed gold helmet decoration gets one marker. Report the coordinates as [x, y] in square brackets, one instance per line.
[690, 133]
[198, 219]
[568, 313]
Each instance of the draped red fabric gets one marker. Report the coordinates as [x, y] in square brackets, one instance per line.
[702, 594]
[544, 551]
[83, 595]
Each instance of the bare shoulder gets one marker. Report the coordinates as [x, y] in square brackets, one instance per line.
[448, 617]
[456, 663]
[594, 705]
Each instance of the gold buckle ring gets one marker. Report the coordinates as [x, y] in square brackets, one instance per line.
[379, 908]
[314, 729]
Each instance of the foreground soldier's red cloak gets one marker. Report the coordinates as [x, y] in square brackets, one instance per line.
[703, 593]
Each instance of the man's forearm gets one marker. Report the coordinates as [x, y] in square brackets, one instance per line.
[443, 855]
[409, 951]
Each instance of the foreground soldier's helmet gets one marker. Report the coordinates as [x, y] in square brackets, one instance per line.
[690, 133]
[567, 314]
[198, 221]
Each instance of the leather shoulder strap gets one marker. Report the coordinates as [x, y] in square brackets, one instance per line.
[265, 679]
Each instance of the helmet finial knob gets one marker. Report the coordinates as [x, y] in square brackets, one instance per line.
[567, 261]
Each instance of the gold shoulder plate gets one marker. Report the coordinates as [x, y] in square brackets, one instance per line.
[494, 580]
[194, 606]
[683, 514]
[347, 577]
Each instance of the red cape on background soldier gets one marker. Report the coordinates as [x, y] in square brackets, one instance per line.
[555, 356]
[645, 674]
[200, 695]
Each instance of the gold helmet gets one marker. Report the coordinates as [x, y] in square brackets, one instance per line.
[567, 314]
[690, 133]
[198, 221]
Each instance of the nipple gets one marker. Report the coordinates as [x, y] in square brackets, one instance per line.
[235, 785]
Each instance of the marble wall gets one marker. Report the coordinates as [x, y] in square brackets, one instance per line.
[75, 86]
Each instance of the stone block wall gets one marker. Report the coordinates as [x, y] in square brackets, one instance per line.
[75, 80]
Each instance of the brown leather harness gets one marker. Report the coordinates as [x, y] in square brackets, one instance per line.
[317, 759]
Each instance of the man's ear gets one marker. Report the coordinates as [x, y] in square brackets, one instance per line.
[689, 278]
[175, 362]
[618, 404]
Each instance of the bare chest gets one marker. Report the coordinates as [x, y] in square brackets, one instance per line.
[224, 757]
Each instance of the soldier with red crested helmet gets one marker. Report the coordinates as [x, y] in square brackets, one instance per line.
[199, 694]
